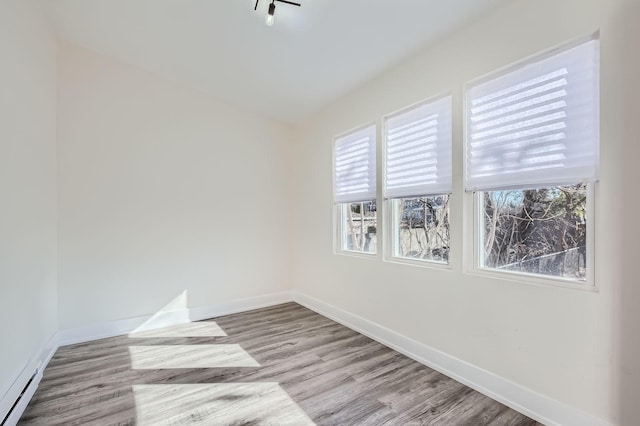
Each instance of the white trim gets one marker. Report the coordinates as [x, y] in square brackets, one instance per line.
[390, 213]
[592, 196]
[240, 305]
[340, 233]
[533, 404]
[589, 285]
[419, 263]
[107, 329]
[525, 278]
[36, 365]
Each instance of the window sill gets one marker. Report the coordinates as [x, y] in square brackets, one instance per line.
[530, 279]
[356, 254]
[427, 264]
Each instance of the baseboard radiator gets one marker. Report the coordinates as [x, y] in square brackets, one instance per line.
[12, 416]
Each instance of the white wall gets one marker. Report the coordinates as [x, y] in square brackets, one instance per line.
[28, 198]
[621, 73]
[147, 212]
[163, 190]
[554, 341]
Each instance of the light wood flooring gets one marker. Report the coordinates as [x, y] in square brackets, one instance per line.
[283, 365]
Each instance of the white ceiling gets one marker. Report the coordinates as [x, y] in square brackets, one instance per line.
[309, 58]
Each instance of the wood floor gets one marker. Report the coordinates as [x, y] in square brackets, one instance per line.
[283, 365]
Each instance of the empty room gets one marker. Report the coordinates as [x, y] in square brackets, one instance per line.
[270, 212]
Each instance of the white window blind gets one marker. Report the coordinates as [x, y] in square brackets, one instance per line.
[418, 151]
[536, 125]
[355, 166]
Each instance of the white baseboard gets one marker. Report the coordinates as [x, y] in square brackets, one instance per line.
[528, 402]
[162, 319]
[36, 365]
[115, 328]
[535, 405]
[240, 305]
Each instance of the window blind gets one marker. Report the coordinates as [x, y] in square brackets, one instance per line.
[355, 166]
[536, 125]
[418, 151]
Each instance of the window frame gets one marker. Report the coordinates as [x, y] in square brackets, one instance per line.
[390, 246]
[473, 244]
[388, 211]
[338, 207]
[340, 232]
[528, 278]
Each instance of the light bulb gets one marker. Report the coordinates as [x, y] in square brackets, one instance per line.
[270, 14]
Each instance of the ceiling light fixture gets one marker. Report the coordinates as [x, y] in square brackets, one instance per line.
[272, 9]
[270, 13]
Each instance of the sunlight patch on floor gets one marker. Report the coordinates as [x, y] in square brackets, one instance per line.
[217, 404]
[189, 356]
[193, 329]
[174, 312]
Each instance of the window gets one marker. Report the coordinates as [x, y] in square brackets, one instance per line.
[420, 228]
[359, 227]
[532, 153]
[536, 231]
[417, 181]
[355, 191]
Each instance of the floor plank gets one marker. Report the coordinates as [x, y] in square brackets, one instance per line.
[283, 365]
